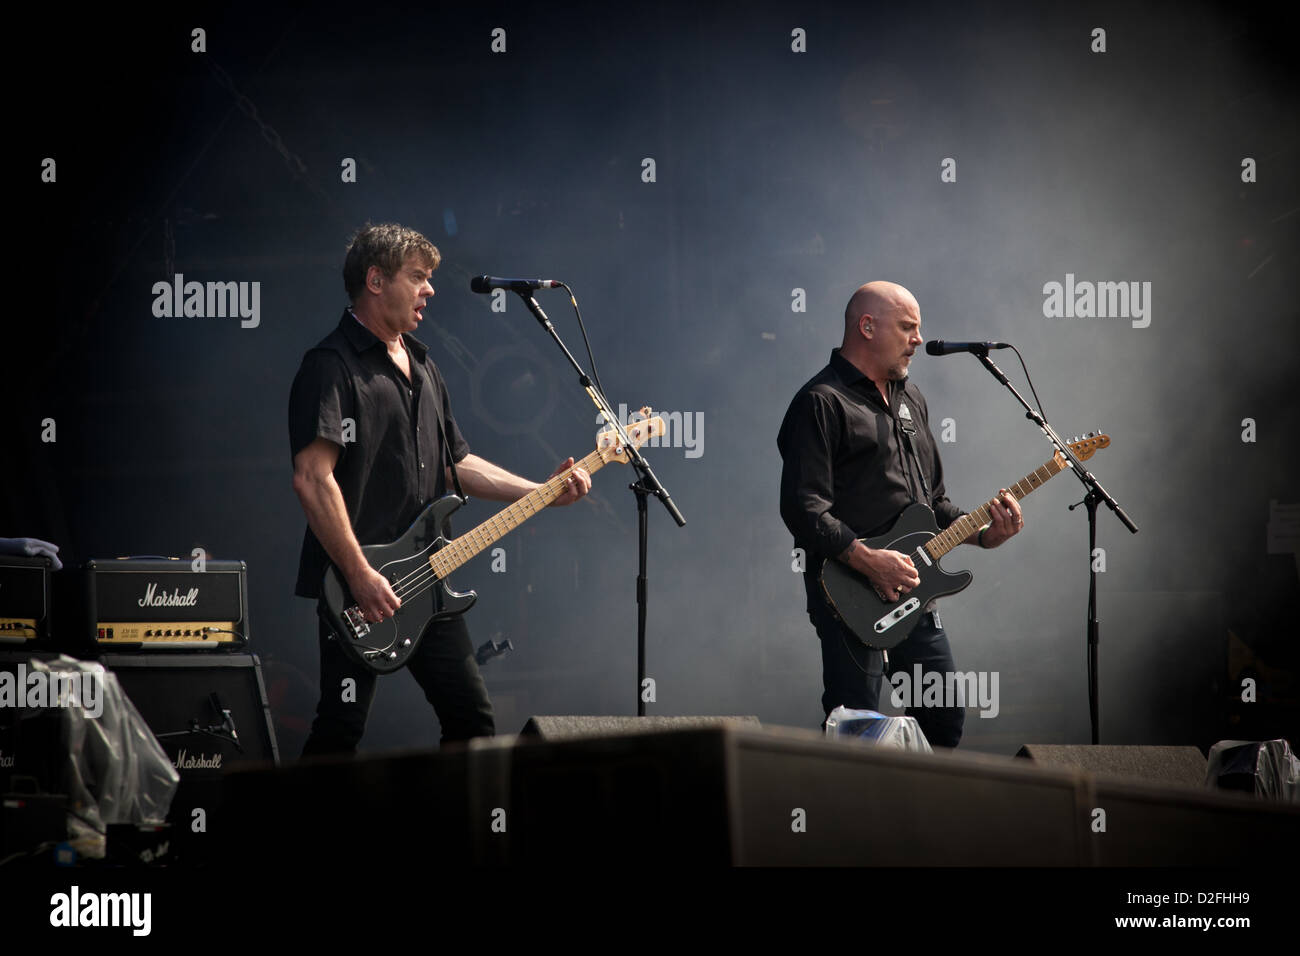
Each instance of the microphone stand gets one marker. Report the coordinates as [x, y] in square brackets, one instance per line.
[1095, 493]
[225, 730]
[646, 485]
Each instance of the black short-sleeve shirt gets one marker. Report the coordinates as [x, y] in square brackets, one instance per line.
[391, 465]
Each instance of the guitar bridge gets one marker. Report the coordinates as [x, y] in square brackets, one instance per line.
[356, 621]
[897, 614]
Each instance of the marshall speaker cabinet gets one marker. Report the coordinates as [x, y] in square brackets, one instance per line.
[134, 604]
[209, 712]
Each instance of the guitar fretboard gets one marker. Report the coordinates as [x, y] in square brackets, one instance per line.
[461, 549]
[966, 525]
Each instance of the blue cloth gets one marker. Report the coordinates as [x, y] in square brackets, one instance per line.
[31, 547]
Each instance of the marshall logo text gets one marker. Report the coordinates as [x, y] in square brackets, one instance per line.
[153, 599]
[184, 761]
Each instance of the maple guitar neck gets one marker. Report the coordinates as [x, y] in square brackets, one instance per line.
[883, 622]
[461, 549]
[966, 525]
[386, 645]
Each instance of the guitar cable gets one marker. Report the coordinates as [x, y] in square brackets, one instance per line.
[884, 657]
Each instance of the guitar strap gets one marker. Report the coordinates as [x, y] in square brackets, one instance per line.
[446, 454]
[442, 431]
[908, 429]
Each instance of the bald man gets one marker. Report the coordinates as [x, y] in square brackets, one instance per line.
[857, 450]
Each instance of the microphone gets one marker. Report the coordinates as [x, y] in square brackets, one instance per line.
[940, 347]
[488, 283]
[227, 720]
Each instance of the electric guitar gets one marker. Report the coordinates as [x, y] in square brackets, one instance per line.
[417, 564]
[883, 621]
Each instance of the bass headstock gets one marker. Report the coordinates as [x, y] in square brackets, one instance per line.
[639, 431]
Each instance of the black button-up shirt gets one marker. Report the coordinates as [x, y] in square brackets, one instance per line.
[349, 391]
[847, 473]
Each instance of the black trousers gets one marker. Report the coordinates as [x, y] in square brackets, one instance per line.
[444, 667]
[851, 672]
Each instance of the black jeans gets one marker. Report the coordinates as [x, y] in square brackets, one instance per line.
[851, 672]
[444, 667]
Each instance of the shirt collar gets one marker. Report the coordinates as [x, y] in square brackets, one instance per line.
[854, 377]
[361, 338]
[850, 372]
[847, 371]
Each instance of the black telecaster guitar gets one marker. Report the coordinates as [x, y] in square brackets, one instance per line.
[417, 564]
[876, 619]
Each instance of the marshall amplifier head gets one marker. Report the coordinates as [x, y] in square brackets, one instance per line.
[163, 604]
[24, 602]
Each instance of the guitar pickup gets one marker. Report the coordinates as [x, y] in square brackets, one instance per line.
[897, 614]
[356, 621]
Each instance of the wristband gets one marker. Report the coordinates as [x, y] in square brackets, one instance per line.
[980, 539]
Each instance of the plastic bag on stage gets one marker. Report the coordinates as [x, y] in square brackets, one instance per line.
[1265, 768]
[900, 733]
[115, 771]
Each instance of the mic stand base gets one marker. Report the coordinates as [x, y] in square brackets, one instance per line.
[642, 589]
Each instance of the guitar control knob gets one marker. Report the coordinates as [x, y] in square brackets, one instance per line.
[392, 655]
[406, 643]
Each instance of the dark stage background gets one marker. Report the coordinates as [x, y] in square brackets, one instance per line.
[779, 177]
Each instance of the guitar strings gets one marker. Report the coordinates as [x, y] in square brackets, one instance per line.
[417, 582]
[425, 577]
[404, 586]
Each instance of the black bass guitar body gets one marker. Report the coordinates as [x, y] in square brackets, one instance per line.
[877, 622]
[386, 646]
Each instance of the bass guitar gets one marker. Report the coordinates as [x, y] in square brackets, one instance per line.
[417, 564]
[883, 621]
